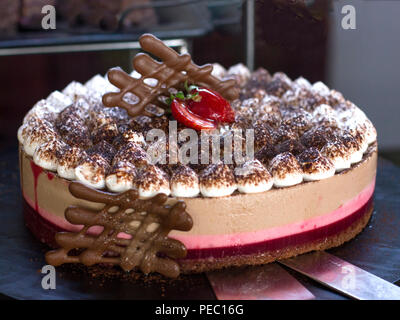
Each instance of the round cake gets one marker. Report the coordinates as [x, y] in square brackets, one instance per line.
[308, 186]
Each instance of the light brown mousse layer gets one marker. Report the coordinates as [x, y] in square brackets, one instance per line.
[209, 264]
[231, 214]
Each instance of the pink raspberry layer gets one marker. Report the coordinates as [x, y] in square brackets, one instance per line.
[324, 225]
[44, 226]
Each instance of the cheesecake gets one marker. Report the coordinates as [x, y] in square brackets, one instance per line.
[307, 186]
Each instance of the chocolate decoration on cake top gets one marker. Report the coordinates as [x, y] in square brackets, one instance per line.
[173, 71]
[145, 225]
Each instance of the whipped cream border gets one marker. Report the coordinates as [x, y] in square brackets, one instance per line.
[56, 102]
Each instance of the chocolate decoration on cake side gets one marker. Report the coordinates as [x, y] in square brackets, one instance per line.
[134, 232]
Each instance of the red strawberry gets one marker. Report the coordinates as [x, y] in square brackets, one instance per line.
[184, 115]
[210, 105]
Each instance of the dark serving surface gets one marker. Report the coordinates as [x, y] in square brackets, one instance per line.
[376, 249]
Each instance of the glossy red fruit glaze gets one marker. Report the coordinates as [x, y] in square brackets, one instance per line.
[36, 170]
[211, 105]
[183, 115]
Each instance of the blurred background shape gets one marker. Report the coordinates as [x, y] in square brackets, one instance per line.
[364, 64]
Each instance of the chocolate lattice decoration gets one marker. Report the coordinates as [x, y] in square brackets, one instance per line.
[146, 222]
[172, 72]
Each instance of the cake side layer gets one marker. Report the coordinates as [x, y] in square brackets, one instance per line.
[345, 211]
[219, 243]
[289, 249]
[49, 195]
[265, 252]
[256, 242]
[279, 207]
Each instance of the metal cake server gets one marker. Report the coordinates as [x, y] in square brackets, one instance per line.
[342, 276]
[266, 282]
